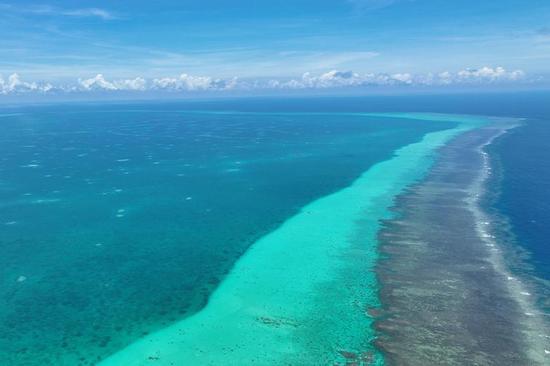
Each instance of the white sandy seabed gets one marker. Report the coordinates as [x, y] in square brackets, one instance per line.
[299, 295]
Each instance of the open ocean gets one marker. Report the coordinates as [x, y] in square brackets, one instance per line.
[524, 197]
[120, 220]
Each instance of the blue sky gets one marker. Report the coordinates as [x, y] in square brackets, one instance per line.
[245, 43]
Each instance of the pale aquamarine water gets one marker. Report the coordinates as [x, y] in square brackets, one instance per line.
[118, 221]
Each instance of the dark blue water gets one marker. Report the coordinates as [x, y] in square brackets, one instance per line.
[524, 160]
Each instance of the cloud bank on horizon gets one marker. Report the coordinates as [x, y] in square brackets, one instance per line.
[56, 46]
[328, 80]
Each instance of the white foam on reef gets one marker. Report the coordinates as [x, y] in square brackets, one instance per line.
[534, 325]
[294, 298]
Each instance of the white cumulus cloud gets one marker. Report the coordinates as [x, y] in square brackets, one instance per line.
[14, 84]
[336, 79]
[99, 82]
[95, 83]
[131, 84]
[194, 83]
[186, 83]
[489, 74]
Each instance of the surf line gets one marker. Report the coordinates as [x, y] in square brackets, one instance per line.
[534, 323]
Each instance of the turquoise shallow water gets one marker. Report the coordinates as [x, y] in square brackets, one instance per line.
[301, 295]
[117, 223]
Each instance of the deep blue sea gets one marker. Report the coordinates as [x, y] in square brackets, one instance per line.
[524, 197]
[99, 201]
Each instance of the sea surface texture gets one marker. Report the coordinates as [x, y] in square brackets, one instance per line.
[274, 232]
[522, 185]
[117, 222]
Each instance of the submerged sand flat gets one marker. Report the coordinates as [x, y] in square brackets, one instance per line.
[303, 294]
